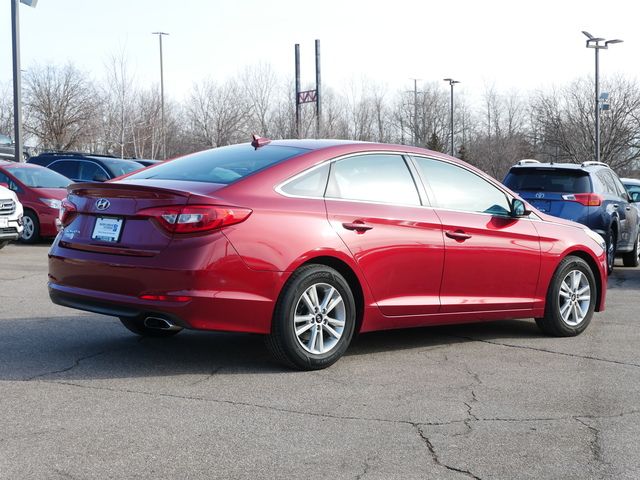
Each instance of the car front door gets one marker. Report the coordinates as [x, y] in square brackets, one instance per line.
[492, 260]
[373, 204]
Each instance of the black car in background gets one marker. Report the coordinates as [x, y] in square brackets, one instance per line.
[589, 193]
[81, 167]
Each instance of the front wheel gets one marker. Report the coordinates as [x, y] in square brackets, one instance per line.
[31, 231]
[314, 319]
[571, 299]
[631, 259]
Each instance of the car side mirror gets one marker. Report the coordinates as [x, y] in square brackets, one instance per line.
[519, 209]
[100, 177]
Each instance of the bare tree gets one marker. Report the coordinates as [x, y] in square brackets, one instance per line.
[61, 106]
[218, 114]
[259, 85]
[6, 110]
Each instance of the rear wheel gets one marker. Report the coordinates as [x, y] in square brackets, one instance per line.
[612, 244]
[571, 299]
[137, 326]
[31, 231]
[314, 319]
[631, 259]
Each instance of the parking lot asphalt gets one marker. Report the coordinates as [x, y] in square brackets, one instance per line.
[82, 398]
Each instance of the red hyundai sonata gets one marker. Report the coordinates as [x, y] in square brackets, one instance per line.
[40, 191]
[311, 241]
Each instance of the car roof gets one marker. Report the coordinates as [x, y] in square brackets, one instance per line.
[7, 163]
[630, 181]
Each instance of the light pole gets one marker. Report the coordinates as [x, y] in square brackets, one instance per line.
[594, 42]
[452, 82]
[164, 136]
[17, 80]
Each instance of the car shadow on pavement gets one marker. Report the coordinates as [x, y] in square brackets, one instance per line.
[88, 347]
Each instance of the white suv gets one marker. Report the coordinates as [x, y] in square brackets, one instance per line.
[10, 216]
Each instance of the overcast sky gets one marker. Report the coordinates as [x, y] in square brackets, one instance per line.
[513, 44]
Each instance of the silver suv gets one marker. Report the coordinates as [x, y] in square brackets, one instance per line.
[10, 216]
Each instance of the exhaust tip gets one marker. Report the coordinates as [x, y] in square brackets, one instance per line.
[160, 324]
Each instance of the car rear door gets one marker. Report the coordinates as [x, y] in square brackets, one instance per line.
[374, 206]
[492, 260]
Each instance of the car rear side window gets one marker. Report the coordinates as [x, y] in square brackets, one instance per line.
[548, 180]
[457, 188]
[373, 178]
[310, 184]
[221, 165]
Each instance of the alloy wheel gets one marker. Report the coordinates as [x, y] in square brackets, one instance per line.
[319, 319]
[29, 228]
[574, 298]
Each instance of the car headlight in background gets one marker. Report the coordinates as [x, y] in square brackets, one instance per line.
[52, 202]
[597, 237]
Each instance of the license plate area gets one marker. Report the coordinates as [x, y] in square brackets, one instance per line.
[542, 205]
[107, 229]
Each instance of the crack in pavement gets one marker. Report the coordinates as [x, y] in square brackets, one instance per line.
[435, 457]
[367, 467]
[334, 417]
[544, 350]
[77, 362]
[206, 377]
[595, 445]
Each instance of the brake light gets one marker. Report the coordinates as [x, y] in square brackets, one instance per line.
[586, 199]
[67, 212]
[195, 218]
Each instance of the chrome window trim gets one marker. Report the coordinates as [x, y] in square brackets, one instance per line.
[403, 155]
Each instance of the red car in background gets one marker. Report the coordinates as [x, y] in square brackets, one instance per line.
[40, 191]
[310, 241]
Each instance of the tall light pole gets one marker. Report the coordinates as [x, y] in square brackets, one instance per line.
[452, 82]
[17, 80]
[594, 42]
[164, 136]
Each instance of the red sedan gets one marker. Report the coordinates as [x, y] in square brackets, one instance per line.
[310, 241]
[40, 191]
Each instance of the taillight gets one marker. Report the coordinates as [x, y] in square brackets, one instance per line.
[586, 199]
[67, 212]
[195, 218]
[166, 298]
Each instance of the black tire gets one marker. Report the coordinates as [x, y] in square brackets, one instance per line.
[3, 243]
[612, 246]
[137, 326]
[30, 234]
[631, 259]
[553, 322]
[296, 349]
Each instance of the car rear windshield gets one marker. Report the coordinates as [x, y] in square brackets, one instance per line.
[220, 165]
[39, 177]
[121, 167]
[548, 180]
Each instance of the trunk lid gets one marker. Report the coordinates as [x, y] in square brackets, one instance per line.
[107, 218]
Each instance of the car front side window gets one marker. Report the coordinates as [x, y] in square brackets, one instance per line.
[456, 188]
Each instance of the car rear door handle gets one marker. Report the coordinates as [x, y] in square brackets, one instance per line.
[458, 235]
[359, 226]
[615, 205]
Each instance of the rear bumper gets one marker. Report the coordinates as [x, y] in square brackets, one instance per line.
[223, 293]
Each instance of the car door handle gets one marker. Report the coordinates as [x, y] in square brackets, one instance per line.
[615, 205]
[359, 226]
[458, 235]
[628, 207]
